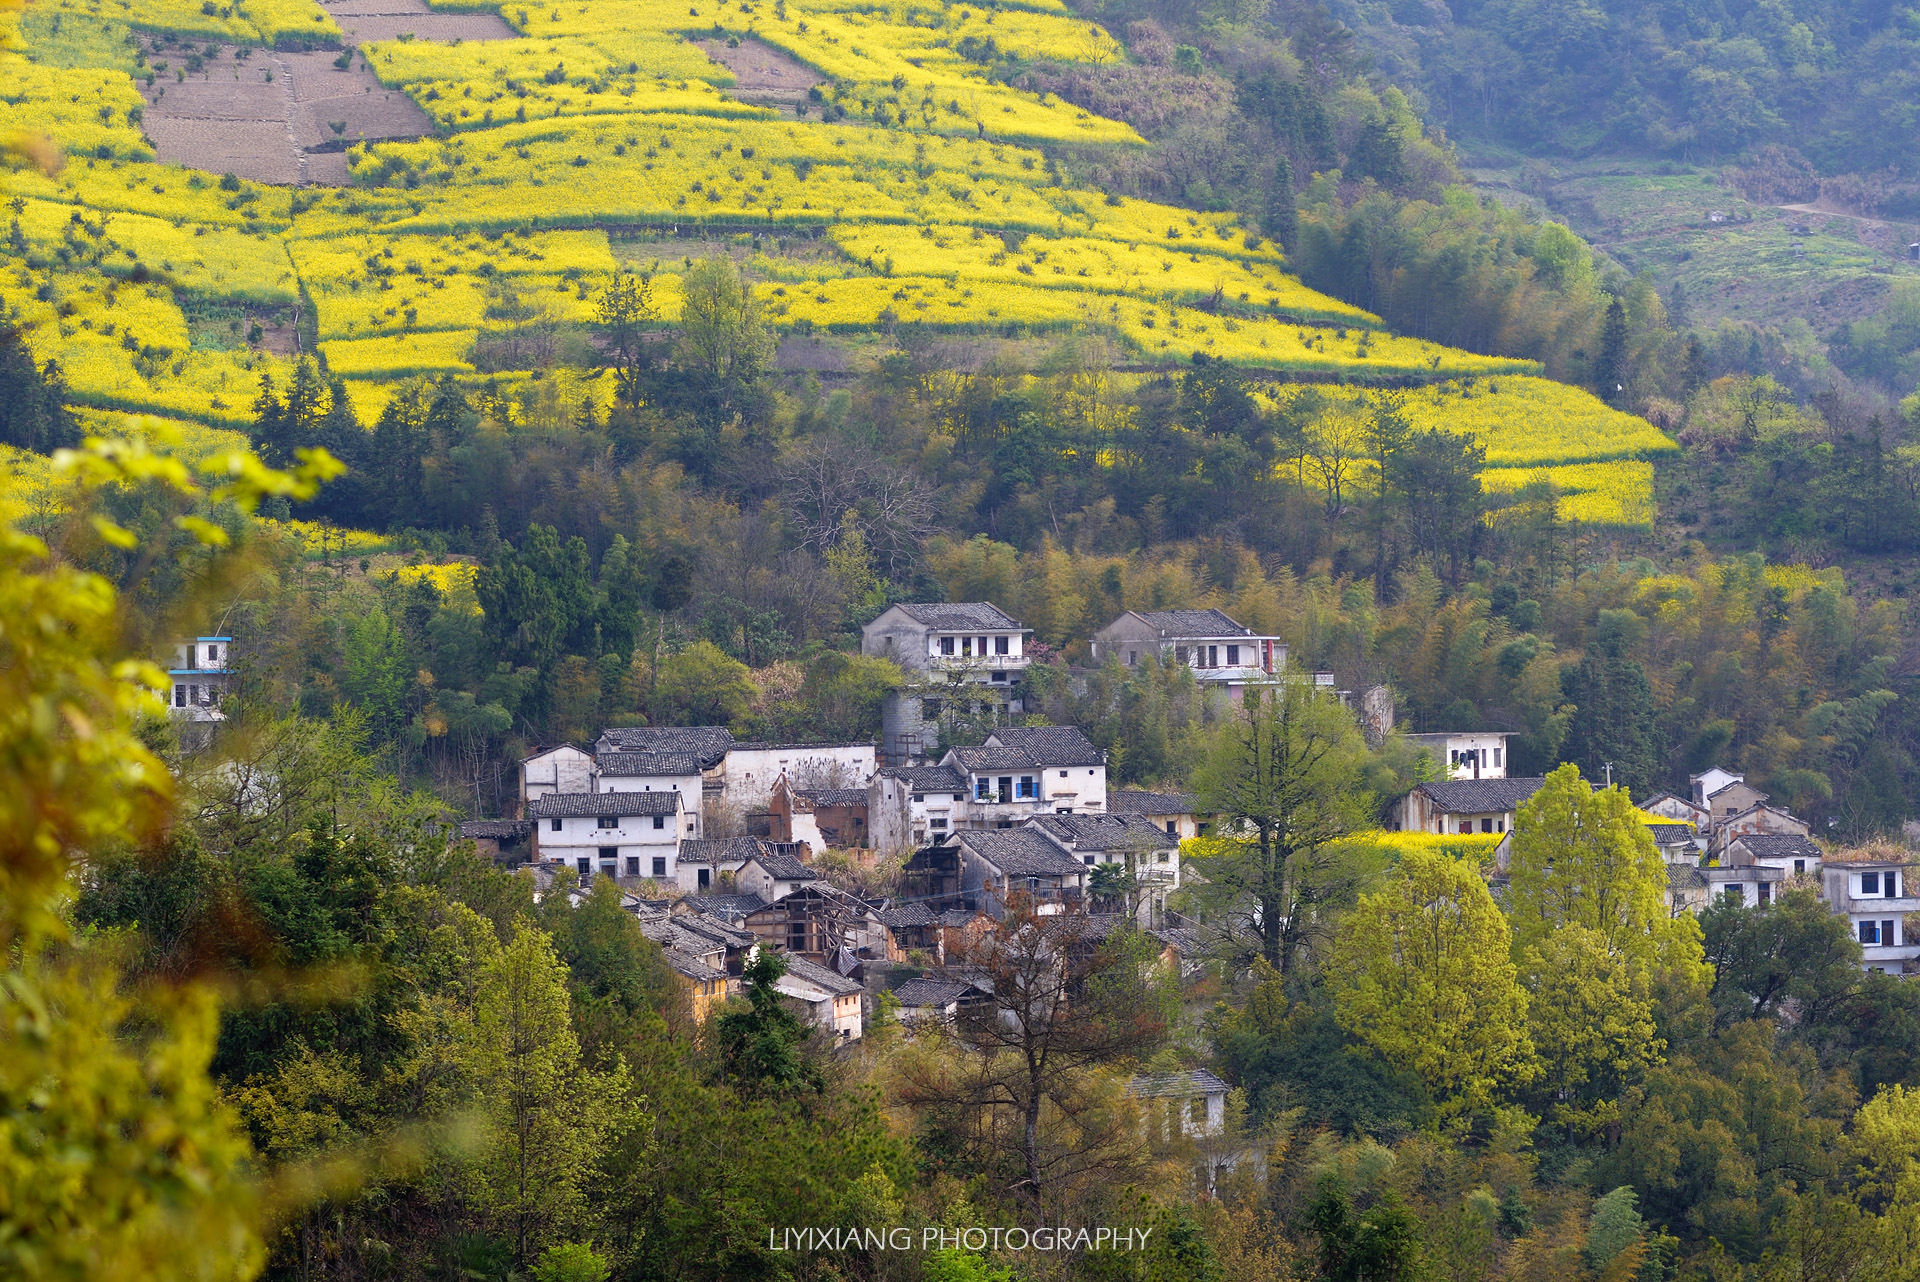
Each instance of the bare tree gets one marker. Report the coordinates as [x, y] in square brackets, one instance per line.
[1072, 994]
[829, 476]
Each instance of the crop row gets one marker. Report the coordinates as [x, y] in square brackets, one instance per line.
[1083, 263]
[1527, 422]
[83, 110]
[269, 22]
[1615, 493]
[218, 262]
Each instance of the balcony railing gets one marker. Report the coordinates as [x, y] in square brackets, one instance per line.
[984, 662]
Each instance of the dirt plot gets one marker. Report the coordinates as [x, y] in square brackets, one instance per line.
[286, 117]
[761, 73]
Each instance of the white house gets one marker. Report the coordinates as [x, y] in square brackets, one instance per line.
[1467, 755]
[1678, 809]
[772, 873]
[748, 771]
[1022, 772]
[1712, 780]
[202, 673]
[828, 999]
[995, 865]
[1223, 654]
[1875, 896]
[1131, 841]
[909, 806]
[1791, 854]
[1191, 1105]
[1178, 813]
[702, 863]
[1466, 805]
[973, 645]
[622, 834]
[562, 768]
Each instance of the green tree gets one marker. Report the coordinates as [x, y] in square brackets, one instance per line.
[1582, 857]
[1279, 217]
[1281, 777]
[551, 1116]
[1590, 1018]
[378, 674]
[1793, 953]
[624, 312]
[1614, 723]
[1424, 977]
[1610, 366]
[764, 1045]
[722, 332]
[702, 686]
[1380, 1245]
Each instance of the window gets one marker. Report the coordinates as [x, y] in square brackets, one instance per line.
[1063, 810]
[919, 797]
[1486, 825]
[1233, 656]
[1890, 884]
[1500, 824]
[1087, 860]
[1006, 787]
[1000, 645]
[1029, 787]
[1163, 857]
[1799, 866]
[981, 648]
[633, 865]
[938, 825]
[659, 865]
[213, 654]
[1132, 658]
[966, 647]
[1063, 774]
[1765, 890]
[585, 865]
[929, 709]
[999, 676]
[558, 824]
[608, 854]
[1213, 656]
[1197, 1111]
[659, 821]
[982, 790]
[1869, 883]
[796, 937]
[946, 645]
[180, 696]
[1173, 828]
[1496, 756]
[609, 821]
[1869, 932]
[1736, 892]
[1887, 935]
[1180, 654]
[705, 878]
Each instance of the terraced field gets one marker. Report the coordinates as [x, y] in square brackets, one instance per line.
[861, 164]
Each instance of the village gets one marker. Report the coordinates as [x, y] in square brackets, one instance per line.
[875, 869]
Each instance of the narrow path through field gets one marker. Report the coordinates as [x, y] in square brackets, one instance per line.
[288, 115]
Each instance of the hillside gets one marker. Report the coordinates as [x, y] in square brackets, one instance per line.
[904, 186]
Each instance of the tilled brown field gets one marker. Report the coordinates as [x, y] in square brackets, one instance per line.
[287, 117]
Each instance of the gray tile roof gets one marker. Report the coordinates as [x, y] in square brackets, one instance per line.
[719, 850]
[1670, 834]
[833, 796]
[731, 909]
[581, 805]
[990, 758]
[959, 916]
[707, 743]
[496, 829]
[1091, 833]
[1050, 745]
[1772, 845]
[717, 929]
[1021, 852]
[1128, 801]
[692, 967]
[959, 614]
[814, 973]
[1193, 623]
[927, 778]
[1684, 877]
[1480, 796]
[907, 915]
[922, 992]
[647, 765]
[1161, 1085]
[783, 867]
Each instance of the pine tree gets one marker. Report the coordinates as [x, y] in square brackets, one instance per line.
[1281, 219]
[1610, 367]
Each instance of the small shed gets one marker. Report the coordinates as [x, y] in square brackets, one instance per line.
[1182, 1105]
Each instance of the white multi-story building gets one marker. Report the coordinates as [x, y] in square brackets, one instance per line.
[1019, 773]
[202, 672]
[1875, 896]
[1223, 654]
[968, 652]
[1467, 755]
